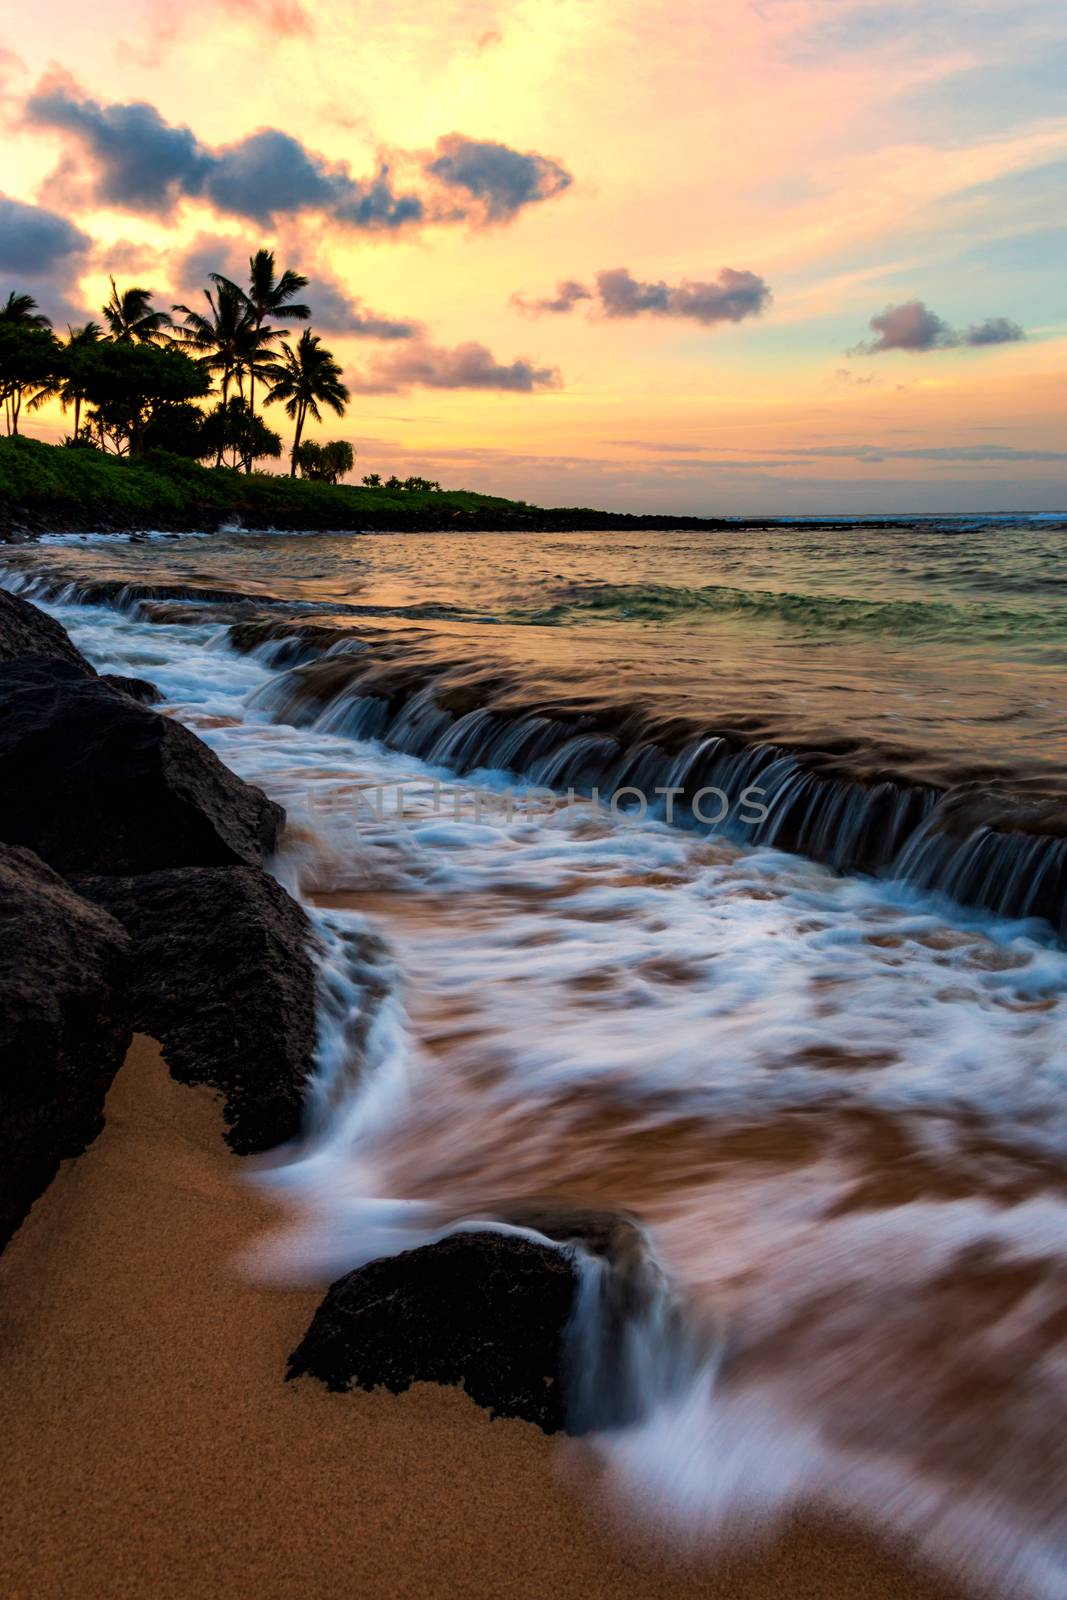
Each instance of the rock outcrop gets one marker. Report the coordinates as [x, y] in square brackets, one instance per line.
[223, 978]
[27, 631]
[65, 1026]
[485, 1310]
[139, 689]
[95, 782]
[549, 1332]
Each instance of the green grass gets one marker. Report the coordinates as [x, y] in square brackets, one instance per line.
[39, 481]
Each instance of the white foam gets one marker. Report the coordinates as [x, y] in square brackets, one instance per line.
[551, 988]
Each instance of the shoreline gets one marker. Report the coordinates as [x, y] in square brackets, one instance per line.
[160, 1450]
[23, 524]
[52, 489]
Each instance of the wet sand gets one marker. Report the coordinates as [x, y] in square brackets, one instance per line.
[152, 1448]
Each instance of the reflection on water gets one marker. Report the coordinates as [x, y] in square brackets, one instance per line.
[948, 640]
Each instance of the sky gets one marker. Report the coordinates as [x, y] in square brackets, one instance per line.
[782, 256]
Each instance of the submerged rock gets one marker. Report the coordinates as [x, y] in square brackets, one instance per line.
[26, 631]
[65, 1026]
[485, 1310]
[96, 783]
[549, 1332]
[223, 978]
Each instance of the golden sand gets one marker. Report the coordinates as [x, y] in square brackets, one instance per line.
[151, 1447]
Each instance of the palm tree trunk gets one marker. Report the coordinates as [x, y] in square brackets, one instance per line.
[225, 391]
[251, 414]
[301, 414]
[77, 414]
[252, 392]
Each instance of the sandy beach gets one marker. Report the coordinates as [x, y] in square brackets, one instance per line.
[153, 1447]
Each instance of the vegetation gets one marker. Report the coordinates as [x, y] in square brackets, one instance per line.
[325, 463]
[135, 380]
[269, 296]
[305, 378]
[129, 315]
[26, 355]
[233, 429]
[155, 393]
[75, 486]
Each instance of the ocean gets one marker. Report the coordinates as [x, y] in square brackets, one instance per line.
[716, 877]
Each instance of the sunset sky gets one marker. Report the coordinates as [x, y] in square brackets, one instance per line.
[710, 255]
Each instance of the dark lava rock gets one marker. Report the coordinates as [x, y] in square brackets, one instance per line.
[139, 689]
[223, 978]
[485, 1310]
[26, 631]
[94, 782]
[493, 1311]
[64, 1026]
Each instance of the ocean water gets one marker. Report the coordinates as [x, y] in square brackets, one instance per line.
[829, 1082]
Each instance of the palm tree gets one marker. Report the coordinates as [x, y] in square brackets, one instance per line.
[68, 386]
[227, 338]
[306, 377]
[20, 311]
[129, 315]
[27, 354]
[267, 296]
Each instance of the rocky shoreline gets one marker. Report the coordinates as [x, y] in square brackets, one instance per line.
[24, 525]
[135, 898]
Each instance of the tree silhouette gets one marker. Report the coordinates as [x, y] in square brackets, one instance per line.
[68, 383]
[325, 463]
[129, 314]
[267, 296]
[28, 353]
[305, 378]
[227, 341]
[233, 427]
[131, 384]
[20, 311]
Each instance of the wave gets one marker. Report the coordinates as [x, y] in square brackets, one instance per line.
[840, 1121]
[809, 613]
[977, 839]
[982, 843]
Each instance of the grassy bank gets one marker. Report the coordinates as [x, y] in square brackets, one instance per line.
[50, 488]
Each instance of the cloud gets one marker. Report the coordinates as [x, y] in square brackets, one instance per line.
[994, 330]
[466, 366]
[269, 174]
[568, 293]
[500, 179]
[191, 270]
[285, 18]
[914, 327]
[41, 253]
[137, 161]
[160, 25]
[33, 240]
[862, 380]
[333, 310]
[963, 454]
[140, 162]
[730, 297]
